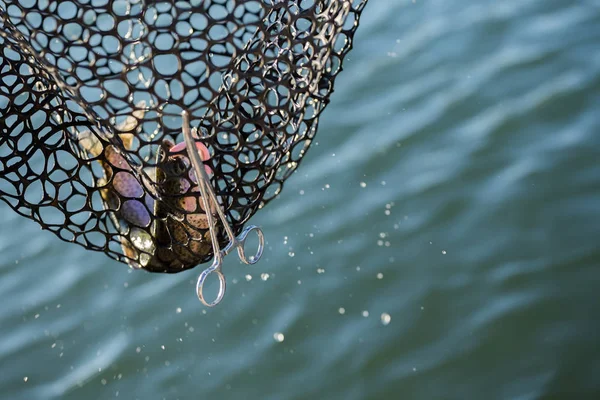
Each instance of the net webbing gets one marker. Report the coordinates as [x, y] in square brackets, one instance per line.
[91, 96]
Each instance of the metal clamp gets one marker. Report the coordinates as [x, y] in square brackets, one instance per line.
[210, 202]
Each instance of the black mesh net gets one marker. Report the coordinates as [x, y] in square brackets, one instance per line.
[91, 97]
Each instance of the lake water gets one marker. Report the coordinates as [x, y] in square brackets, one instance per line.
[440, 242]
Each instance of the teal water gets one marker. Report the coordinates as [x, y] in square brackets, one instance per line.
[454, 193]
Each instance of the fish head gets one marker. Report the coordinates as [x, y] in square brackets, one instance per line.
[175, 177]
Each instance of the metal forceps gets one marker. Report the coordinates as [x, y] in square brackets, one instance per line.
[209, 200]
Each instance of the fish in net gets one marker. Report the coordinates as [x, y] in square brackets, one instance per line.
[153, 132]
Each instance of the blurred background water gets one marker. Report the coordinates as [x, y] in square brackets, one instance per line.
[441, 241]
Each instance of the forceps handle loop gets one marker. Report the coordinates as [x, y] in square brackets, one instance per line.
[202, 279]
[240, 242]
[216, 265]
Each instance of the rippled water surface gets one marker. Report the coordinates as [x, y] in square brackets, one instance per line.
[440, 242]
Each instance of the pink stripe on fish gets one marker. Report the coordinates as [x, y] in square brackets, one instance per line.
[202, 150]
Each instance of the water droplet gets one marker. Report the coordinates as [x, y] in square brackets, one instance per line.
[385, 318]
[278, 336]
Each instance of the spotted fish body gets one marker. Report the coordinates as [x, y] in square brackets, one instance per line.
[182, 230]
[178, 237]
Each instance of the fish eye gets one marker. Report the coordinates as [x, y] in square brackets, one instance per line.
[179, 166]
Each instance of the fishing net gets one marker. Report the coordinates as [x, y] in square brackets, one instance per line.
[91, 100]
